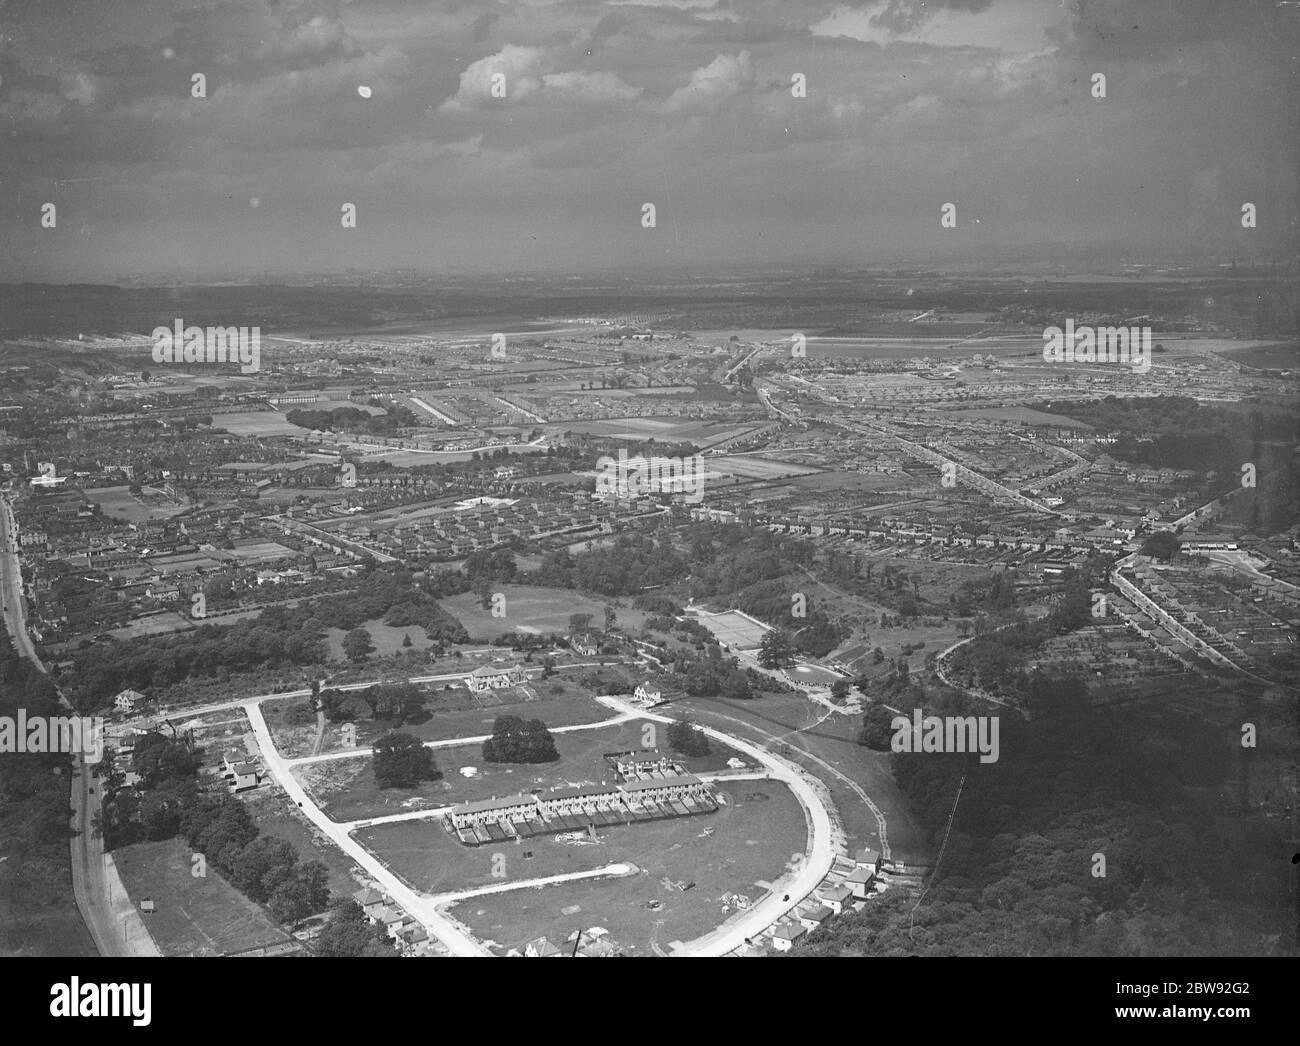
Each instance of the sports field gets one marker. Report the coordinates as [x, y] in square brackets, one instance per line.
[734, 629]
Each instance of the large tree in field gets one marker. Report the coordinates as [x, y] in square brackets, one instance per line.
[357, 644]
[516, 741]
[401, 761]
[776, 649]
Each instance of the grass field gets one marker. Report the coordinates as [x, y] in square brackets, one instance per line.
[751, 839]
[384, 638]
[756, 468]
[258, 423]
[118, 503]
[453, 713]
[534, 609]
[195, 915]
[800, 726]
[345, 788]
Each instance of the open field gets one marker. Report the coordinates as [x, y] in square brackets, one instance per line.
[790, 725]
[196, 915]
[152, 625]
[345, 788]
[751, 839]
[384, 638]
[450, 713]
[119, 503]
[756, 468]
[534, 609]
[258, 423]
[734, 629]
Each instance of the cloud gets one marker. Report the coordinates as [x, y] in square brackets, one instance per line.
[712, 85]
[589, 88]
[521, 67]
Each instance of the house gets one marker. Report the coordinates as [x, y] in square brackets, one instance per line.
[860, 881]
[495, 677]
[836, 898]
[585, 645]
[784, 936]
[643, 761]
[813, 919]
[541, 949]
[510, 807]
[648, 693]
[367, 897]
[128, 700]
[391, 919]
[867, 858]
[243, 777]
[147, 906]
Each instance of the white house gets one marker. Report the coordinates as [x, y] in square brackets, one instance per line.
[128, 700]
[784, 936]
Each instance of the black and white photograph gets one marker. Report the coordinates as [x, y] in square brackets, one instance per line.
[650, 479]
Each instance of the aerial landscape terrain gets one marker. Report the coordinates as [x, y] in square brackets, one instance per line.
[625, 553]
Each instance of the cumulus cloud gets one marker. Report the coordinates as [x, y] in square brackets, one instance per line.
[521, 67]
[712, 85]
[528, 76]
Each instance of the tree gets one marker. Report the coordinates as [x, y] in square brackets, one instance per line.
[840, 689]
[687, 738]
[1163, 544]
[514, 741]
[357, 644]
[348, 932]
[776, 650]
[578, 623]
[610, 618]
[401, 761]
[406, 639]
[877, 733]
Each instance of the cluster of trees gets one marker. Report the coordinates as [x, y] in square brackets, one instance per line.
[516, 741]
[631, 563]
[280, 636]
[396, 702]
[348, 933]
[401, 761]
[1178, 432]
[687, 738]
[814, 633]
[1191, 865]
[353, 419]
[993, 660]
[167, 802]
[35, 886]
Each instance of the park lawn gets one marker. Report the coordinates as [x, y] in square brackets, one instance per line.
[535, 609]
[385, 639]
[459, 713]
[754, 839]
[345, 789]
[196, 915]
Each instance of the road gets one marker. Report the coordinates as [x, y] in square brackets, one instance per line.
[421, 906]
[114, 924]
[818, 856]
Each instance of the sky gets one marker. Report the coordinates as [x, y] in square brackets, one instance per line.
[689, 105]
